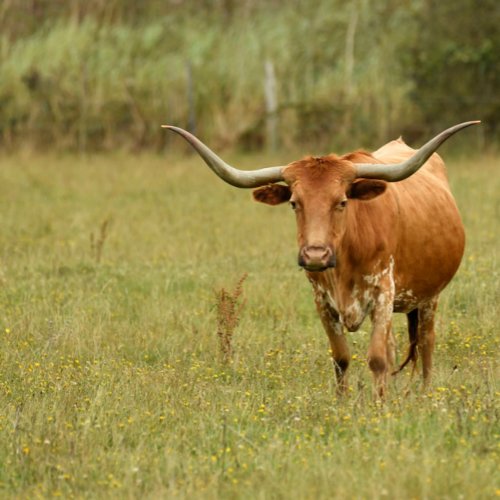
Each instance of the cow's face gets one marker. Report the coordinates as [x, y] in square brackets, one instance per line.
[320, 191]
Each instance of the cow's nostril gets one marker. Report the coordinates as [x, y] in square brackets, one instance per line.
[316, 252]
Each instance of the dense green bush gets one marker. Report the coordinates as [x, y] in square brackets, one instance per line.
[99, 75]
[452, 59]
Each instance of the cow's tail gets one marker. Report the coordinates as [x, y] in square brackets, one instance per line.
[413, 334]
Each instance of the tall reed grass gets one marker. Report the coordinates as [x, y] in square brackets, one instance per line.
[80, 85]
[92, 78]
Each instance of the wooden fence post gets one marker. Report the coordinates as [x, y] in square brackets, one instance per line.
[271, 106]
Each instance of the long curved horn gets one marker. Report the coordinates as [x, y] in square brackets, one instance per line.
[233, 176]
[400, 171]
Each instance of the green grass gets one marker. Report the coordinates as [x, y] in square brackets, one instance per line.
[111, 378]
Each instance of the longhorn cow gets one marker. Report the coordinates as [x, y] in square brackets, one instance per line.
[377, 233]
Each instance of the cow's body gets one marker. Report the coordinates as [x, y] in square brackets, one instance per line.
[398, 252]
[378, 233]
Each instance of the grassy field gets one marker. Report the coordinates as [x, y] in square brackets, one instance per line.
[112, 383]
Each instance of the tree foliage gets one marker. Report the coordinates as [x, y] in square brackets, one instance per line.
[106, 73]
[452, 60]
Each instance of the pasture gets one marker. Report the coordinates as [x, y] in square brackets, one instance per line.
[112, 380]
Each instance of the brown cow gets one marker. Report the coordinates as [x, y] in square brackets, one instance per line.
[378, 233]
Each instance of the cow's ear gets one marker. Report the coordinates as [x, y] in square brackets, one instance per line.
[366, 189]
[273, 194]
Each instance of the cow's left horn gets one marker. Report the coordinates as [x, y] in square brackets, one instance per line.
[400, 171]
[233, 176]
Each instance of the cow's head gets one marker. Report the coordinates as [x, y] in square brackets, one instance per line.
[319, 190]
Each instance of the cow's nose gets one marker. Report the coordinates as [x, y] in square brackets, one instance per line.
[316, 258]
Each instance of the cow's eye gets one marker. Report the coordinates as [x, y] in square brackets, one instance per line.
[293, 205]
[342, 204]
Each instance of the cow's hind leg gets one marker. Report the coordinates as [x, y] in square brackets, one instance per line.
[412, 355]
[426, 336]
[391, 349]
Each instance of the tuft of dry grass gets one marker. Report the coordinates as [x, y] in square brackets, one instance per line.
[97, 241]
[229, 307]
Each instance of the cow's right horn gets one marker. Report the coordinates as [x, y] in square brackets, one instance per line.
[400, 171]
[233, 176]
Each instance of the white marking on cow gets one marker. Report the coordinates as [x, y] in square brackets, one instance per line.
[331, 300]
[377, 293]
[360, 304]
[354, 315]
[337, 327]
[405, 299]
[371, 279]
[325, 299]
[405, 296]
[427, 312]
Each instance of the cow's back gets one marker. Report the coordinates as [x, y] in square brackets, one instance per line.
[431, 237]
[397, 151]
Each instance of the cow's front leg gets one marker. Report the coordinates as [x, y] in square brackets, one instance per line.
[338, 343]
[340, 355]
[381, 348]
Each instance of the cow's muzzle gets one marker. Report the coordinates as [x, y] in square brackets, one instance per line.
[316, 258]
